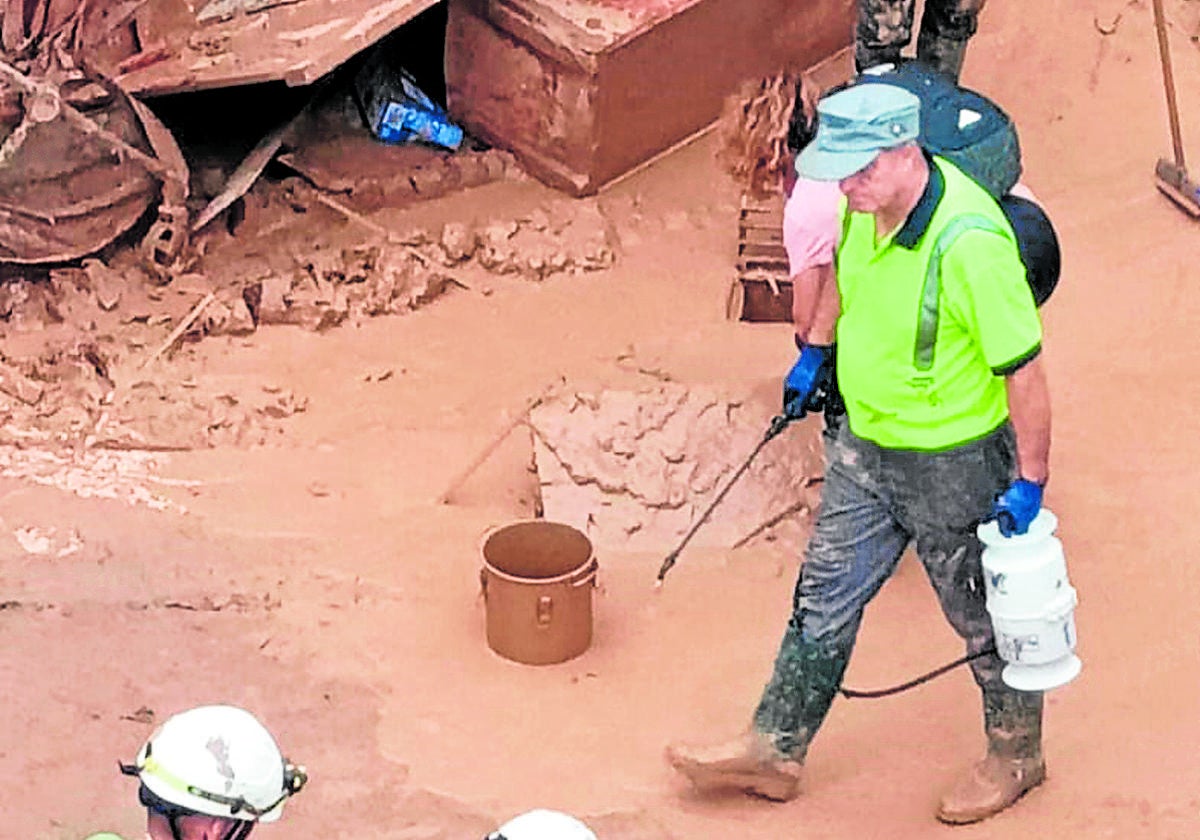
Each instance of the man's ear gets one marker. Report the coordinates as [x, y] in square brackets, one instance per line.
[916, 157]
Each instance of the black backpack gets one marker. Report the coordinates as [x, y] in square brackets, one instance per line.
[976, 135]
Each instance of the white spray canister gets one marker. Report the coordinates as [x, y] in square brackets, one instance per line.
[1032, 604]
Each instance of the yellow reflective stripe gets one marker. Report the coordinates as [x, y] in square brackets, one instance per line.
[928, 311]
[151, 766]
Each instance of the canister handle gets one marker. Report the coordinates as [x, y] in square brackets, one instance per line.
[589, 575]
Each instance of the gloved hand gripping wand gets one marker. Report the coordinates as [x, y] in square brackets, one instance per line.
[778, 424]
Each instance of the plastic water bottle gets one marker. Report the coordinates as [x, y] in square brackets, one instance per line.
[403, 122]
[398, 111]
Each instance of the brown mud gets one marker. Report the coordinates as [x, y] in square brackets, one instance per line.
[304, 568]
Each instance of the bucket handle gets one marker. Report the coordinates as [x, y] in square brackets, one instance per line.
[589, 575]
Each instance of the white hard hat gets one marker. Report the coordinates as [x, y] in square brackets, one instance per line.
[541, 824]
[219, 761]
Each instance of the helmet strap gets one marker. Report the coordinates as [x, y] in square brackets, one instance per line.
[240, 831]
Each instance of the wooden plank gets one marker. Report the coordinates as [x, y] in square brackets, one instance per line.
[365, 32]
[297, 43]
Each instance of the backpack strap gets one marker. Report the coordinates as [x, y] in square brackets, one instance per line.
[931, 291]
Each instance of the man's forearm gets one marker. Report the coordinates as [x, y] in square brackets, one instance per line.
[815, 304]
[1029, 410]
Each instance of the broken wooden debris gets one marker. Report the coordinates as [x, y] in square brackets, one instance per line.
[296, 42]
[179, 330]
[149, 55]
[494, 444]
[106, 284]
[801, 506]
[226, 9]
[379, 230]
[19, 386]
[249, 169]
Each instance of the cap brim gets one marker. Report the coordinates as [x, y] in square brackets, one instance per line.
[821, 165]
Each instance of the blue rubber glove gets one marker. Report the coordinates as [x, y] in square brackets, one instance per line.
[1017, 506]
[802, 389]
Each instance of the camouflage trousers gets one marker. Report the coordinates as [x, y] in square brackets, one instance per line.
[885, 28]
[874, 503]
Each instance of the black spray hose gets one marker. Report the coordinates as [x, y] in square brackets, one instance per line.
[778, 424]
[924, 678]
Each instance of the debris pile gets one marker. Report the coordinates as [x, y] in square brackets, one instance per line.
[76, 368]
[398, 273]
[124, 476]
[329, 286]
[564, 236]
[633, 469]
[78, 345]
[374, 177]
[159, 414]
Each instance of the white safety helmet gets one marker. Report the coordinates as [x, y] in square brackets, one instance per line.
[541, 824]
[219, 761]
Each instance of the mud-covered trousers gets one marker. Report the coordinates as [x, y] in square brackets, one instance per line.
[885, 28]
[874, 503]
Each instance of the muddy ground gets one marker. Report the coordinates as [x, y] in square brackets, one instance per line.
[259, 522]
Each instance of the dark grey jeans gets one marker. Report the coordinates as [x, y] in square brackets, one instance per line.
[875, 502]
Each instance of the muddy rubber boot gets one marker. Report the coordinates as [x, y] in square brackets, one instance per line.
[1012, 767]
[991, 786]
[749, 763]
[768, 759]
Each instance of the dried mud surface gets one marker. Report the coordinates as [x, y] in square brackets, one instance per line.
[251, 516]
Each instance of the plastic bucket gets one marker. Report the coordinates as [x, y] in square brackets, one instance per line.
[537, 580]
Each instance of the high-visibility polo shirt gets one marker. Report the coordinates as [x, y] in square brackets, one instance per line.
[924, 345]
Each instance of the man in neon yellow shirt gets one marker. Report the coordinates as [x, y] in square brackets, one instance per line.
[947, 424]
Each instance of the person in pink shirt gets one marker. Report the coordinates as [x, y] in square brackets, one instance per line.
[810, 233]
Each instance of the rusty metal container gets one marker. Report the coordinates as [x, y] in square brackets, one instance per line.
[584, 91]
[537, 579]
